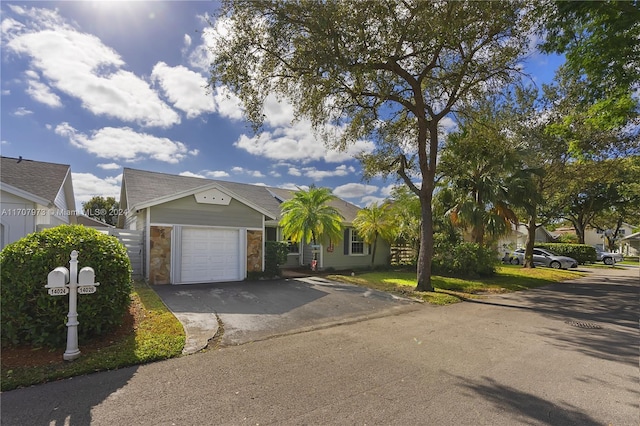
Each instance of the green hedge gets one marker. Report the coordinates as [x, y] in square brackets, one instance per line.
[31, 316]
[583, 253]
[275, 255]
[462, 259]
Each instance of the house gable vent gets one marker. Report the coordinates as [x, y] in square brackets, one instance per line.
[213, 196]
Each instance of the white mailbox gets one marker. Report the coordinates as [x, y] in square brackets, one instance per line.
[57, 281]
[87, 276]
[63, 281]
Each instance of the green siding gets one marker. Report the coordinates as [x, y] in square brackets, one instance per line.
[186, 211]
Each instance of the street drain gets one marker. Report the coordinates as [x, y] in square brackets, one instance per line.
[582, 324]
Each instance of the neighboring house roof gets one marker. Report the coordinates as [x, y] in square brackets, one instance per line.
[42, 180]
[91, 222]
[144, 188]
[634, 237]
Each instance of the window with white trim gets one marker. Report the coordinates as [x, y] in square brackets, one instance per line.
[357, 245]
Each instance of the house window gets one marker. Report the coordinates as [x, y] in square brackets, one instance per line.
[357, 245]
[271, 234]
[293, 247]
[621, 231]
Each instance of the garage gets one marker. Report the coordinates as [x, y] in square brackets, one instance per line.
[209, 255]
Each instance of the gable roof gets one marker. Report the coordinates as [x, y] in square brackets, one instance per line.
[41, 179]
[144, 188]
[92, 222]
[348, 210]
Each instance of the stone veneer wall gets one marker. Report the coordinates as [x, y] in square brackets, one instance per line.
[254, 251]
[160, 255]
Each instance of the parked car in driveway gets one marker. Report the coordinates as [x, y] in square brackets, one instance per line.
[608, 258]
[544, 257]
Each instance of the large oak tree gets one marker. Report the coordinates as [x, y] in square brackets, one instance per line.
[387, 71]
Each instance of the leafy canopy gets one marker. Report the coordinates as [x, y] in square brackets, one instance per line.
[386, 71]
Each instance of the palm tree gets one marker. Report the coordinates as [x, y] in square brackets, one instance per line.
[308, 217]
[371, 222]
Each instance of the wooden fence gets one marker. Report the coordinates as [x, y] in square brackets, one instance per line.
[402, 255]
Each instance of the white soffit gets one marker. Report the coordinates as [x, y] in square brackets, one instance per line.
[212, 196]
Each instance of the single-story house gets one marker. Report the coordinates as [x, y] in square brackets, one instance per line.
[631, 244]
[517, 238]
[595, 237]
[34, 195]
[200, 230]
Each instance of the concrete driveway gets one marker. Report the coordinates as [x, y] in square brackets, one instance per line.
[256, 310]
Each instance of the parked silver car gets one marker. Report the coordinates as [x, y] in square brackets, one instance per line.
[608, 258]
[544, 257]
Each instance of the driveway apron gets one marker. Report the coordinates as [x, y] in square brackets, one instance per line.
[256, 310]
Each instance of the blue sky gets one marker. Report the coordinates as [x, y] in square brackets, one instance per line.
[112, 84]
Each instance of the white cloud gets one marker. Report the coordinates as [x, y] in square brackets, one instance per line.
[293, 186]
[42, 93]
[296, 143]
[206, 174]
[227, 104]
[22, 111]
[187, 40]
[370, 199]
[294, 171]
[316, 174]
[252, 173]
[87, 185]
[81, 66]
[217, 174]
[190, 174]
[355, 190]
[277, 112]
[386, 190]
[6, 92]
[109, 166]
[184, 88]
[124, 144]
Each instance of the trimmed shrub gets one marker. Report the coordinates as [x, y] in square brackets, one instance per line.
[275, 255]
[31, 316]
[583, 253]
[462, 259]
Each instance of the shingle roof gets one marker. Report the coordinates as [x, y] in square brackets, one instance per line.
[348, 210]
[41, 179]
[143, 186]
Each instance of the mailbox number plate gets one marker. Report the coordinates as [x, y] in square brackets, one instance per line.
[59, 291]
[86, 289]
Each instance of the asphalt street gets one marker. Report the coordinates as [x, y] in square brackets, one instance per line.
[566, 354]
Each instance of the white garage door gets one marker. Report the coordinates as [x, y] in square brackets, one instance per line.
[210, 255]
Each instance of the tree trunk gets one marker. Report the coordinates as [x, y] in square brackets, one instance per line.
[531, 242]
[425, 255]
[477, 234]
[428, 171]
[373, 252]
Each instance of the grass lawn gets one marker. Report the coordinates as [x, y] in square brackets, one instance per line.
[451, 290]
[149, 332]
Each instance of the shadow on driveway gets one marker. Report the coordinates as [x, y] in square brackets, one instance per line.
[597, 315]
[255, 310]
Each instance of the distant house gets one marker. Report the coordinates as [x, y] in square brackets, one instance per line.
[517, 238]
[631, 244]
[34, 195]
[200, 230]
[91, 222]
[595, 237]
